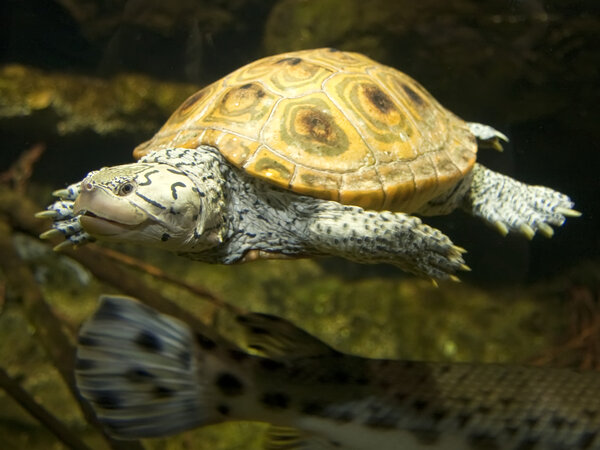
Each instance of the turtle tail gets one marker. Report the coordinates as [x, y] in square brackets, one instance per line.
[140, 371]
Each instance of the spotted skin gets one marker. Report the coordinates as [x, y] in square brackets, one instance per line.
[326, 397]
[511, 205]
[309, 153]
[223, 215]
[213, 212]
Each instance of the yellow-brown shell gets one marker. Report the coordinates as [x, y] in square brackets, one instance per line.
[330, 124]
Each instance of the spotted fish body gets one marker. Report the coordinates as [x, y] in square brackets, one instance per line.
[150, 375]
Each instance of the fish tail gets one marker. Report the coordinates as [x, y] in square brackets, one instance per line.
[141, 372]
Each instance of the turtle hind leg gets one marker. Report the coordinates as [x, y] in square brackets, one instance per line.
[487, 136]
[509, 205]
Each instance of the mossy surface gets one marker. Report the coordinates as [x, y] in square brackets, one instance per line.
[70, 103]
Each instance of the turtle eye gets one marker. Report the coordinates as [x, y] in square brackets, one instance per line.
[125, 188]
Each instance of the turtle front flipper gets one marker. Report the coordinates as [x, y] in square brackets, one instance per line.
[385, 237]
[509, 205]
[65, 222]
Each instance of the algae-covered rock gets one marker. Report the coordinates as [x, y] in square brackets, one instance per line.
[83, 121]
[347, 25]
[99, 19]
[71, 104]
[182, 39]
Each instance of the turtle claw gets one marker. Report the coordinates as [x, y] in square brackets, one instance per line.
[441, 263]
[51, 234]
[546, 230]
[71, 230]
[61, 193]
[567, 212]
[63, 245]
[527, 231]
[543, 208]
[69, 193]
[538, 213]
[74, 240]
[65, 224]
[459, 249]
[48, 214]
[502, 229]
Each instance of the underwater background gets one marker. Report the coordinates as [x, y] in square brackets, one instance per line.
[84, 81]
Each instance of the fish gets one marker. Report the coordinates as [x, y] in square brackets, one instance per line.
[149, 375]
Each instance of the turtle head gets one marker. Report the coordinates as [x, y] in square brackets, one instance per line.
[144, 203]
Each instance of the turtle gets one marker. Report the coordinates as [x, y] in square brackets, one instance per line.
[307, 153]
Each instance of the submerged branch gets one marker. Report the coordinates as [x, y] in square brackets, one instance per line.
[576, 342]
[141, 266]
[20, 171]
[51, 333]
[105, 270]
[55, 426]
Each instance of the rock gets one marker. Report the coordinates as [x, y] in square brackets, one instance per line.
[74, 103]
[524, 61]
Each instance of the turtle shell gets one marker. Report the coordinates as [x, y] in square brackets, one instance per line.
[329, 124]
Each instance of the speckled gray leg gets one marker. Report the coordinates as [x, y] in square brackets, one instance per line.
[509, 205]
[65, 223]
[384, 237]
[265, 218]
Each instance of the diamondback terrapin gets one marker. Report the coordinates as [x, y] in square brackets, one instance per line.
[316, 152]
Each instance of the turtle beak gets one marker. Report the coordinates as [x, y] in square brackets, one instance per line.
[102, 213]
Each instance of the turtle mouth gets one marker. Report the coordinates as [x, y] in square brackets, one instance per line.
[101, 226]
[102, 214]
